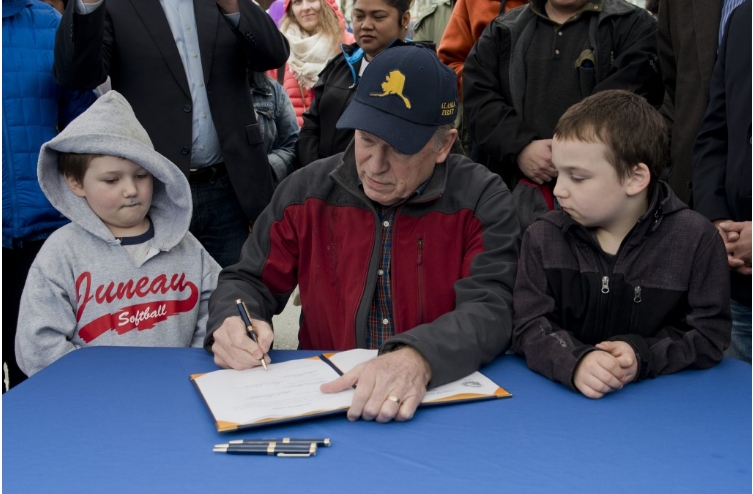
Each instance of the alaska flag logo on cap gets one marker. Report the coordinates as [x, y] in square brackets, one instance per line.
[393, 84]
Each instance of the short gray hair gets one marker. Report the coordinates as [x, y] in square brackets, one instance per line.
[440, 134]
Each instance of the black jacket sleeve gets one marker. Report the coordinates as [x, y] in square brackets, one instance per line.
[83, 48]
[492, 121]
[264, 45]
[710, 150]
[307, 147]
[548, 348]
[700, 344]
[635, 65]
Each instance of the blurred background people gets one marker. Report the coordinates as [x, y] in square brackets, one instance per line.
[314, 29]
[35, 108]
[468, 20]
[511, 103]
[721, 167]
[183, 68]
[277, 123]
[377, 24]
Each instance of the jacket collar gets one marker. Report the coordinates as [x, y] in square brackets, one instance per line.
[353, 54]
[663, 202]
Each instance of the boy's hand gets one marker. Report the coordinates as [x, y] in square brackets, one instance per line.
[625, 355]
[535, 161]
[597, 374]
[234, 349]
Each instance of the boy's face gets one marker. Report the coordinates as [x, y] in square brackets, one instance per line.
[588, 188]
[119, 191]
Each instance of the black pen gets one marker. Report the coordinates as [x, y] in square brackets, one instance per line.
[285, 440]
[246, 318]
[271, 449]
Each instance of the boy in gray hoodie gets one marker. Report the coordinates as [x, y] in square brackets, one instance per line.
[125, 271]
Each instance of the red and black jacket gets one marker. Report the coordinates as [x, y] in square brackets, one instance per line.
[454, 259]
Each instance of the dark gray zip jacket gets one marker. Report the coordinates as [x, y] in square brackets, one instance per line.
[666, 292]
[623, 39]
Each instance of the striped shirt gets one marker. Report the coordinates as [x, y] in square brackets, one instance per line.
[727, 8]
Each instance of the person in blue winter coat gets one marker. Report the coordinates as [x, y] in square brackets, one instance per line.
[35, 108]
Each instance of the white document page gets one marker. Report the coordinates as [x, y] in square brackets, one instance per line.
[475, 383]
[289, 389]
[345, 361]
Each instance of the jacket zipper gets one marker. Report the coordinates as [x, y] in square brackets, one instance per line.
[634, 309]
[603, 310]
[420, 265]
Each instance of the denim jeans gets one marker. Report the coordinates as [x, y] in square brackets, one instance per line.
[218, 221]
[740, 346]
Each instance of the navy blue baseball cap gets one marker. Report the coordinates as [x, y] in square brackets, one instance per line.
[404, 95]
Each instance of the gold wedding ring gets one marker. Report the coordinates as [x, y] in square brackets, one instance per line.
[394, 398]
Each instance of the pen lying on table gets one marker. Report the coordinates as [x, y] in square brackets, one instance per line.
[246, 318]
[285, 440]
[287, 446]
[272, 448]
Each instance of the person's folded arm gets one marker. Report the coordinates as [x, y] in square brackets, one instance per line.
[264, 45]
[83, 47]
[700, 342]
[492, 121]
[548, 348]
[46, 322]
[282, 159]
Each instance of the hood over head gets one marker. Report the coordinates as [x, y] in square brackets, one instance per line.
[109, 127]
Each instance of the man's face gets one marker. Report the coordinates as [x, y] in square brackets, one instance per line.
[119, 191]
[588, 188]
[389, 176]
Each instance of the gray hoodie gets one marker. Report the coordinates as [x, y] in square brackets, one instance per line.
[84, 288]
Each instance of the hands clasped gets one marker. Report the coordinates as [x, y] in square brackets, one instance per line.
[601, 372]
[535, 161]
[389, 387]
[737, 242]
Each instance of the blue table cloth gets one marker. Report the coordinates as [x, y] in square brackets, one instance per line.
[111, 420]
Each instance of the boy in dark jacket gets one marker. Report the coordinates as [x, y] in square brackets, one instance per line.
[624, 282]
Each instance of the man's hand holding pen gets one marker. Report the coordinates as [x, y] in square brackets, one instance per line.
[233, 349]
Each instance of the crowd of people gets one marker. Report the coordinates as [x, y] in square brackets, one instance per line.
[568, 180]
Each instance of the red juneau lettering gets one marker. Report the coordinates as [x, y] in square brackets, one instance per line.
[139, 316]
